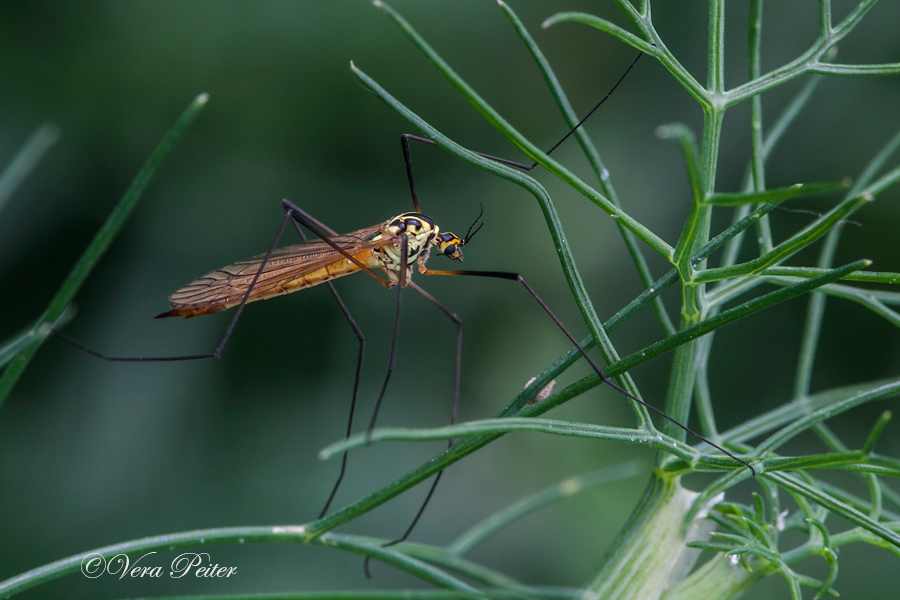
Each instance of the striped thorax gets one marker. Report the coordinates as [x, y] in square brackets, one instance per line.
[422, 235]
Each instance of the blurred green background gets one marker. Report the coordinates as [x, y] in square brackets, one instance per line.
[93, 453]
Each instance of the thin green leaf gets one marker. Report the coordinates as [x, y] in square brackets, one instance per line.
[875, 165]
[711, 546]
[604, 26]
[789, 247]
[863, 297]
[99, 244]
[786, 413]
[858, 503]
[25, 160]
[489, 426]
[685, 138]
[757, 169]
[444, 559]
[21, 340]
[814, 312]
[783, 193]
[375, 548]
[865, 276]
[564, 489]
[876, 432]
[849, 461]
[859, 70]
[817, 416]
[160, 543]
[729, 316]
[883, 183]
[817, 495]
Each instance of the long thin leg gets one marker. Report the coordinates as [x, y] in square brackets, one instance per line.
[520, 279]
[313, 226]
[224, 340]
[404, 140]
[404, 250]
[452, 316]
[459, 328]
[359, 361]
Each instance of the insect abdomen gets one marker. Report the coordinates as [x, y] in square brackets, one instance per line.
[225, 288]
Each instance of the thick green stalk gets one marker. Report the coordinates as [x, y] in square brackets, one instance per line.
[719, 579]
[653, 553]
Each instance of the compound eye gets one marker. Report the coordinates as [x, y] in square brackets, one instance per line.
[450, 250]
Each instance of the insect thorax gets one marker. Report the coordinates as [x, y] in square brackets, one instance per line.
[421, 235]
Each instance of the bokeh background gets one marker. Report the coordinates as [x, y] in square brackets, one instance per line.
[93, 453]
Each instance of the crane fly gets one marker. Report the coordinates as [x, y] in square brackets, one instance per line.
[396, 247]
[312, 262]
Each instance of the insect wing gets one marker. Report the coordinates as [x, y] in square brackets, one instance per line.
[288, 269]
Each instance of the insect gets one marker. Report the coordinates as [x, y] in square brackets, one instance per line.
[389, 252]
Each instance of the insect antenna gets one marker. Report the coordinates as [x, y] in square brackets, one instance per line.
[470, 233]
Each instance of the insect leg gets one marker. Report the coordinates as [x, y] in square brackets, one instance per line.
[459, 325]
[404, 249]
[456, 320]
[299, 216]
[219, 347]
[520, 279]
[359, 360]
[404, 140]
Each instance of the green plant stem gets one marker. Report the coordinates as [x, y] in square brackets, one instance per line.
[757, 139]
[25, 160]
[653, 553]
[269, 534]
[864, 276]
[864, 297]
[814, 313]
[799, 407]
[593, 156]
[521, 508]
[790, 246]
[795, 485]
[99, 244]
[521, 142]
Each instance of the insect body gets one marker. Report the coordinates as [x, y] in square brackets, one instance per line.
[310, 263]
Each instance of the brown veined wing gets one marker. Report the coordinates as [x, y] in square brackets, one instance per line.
[288, 269]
